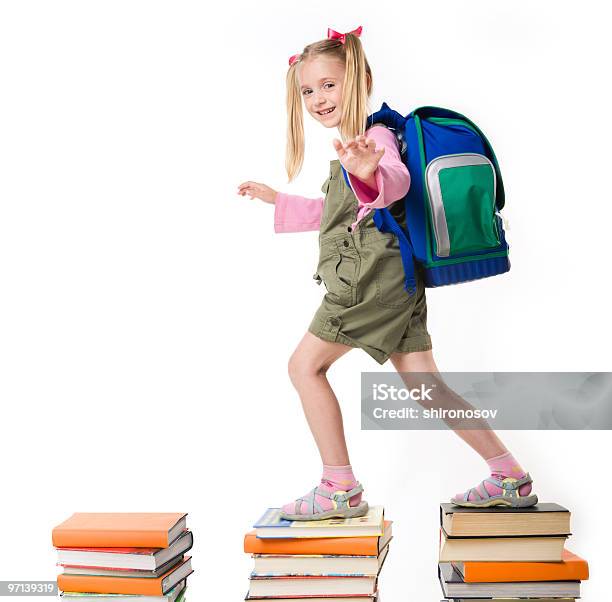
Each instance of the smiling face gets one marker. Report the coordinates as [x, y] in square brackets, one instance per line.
[321, 82]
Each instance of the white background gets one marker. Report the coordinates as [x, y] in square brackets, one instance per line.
[147, 312]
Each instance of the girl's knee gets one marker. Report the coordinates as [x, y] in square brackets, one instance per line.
[302, 366]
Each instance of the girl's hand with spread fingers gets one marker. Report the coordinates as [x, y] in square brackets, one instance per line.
[255, 190]
[359, 157]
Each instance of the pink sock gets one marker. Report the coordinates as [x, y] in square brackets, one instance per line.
[335, 478]
[501, 467]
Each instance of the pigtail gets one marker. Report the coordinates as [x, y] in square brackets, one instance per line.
[356, 90]
[294, 157]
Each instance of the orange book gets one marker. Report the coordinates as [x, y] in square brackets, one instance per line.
[144, 586]
[571, 568]
[356, 546]
[119, 530]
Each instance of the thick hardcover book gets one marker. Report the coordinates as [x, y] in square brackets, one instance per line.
[482, 599]
[541, 519]
[502, 549]
[271, 525]
[359, 546]
[119, 529]
[126, 585]
[572, 568]
[269, 565]
[311, 586]
[176, 594]
[453, 586]
[147, 559]
[373, 598]
[95, 570]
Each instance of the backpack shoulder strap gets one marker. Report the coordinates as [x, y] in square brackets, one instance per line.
[393, 121]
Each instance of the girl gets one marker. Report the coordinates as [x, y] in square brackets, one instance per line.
[365, 305]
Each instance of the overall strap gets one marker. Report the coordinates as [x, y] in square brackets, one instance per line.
[386, 223]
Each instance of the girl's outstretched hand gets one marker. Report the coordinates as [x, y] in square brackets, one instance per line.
[255, 190]
[359, 156]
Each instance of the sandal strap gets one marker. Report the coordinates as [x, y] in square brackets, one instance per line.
[514, 485]
[310, 499]
[485, 494]
[523, 480]
[494, 481]
[508, 487]
[471, 490]
[344, 497]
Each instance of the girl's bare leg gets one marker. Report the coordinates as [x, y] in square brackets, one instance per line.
[483, 440]
[307, 369]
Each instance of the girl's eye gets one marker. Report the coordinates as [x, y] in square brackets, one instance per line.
[308, 90]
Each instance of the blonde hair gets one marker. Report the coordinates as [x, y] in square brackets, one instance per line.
[356, 91]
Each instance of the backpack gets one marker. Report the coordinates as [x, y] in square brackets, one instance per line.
[454, 230]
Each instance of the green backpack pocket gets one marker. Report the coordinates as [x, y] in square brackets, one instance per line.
[461, 192]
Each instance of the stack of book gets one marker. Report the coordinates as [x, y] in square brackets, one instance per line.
[110, 556]
[334, 559]
[501, 553]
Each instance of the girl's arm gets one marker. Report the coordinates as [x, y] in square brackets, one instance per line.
[391, 176]
[294, 213]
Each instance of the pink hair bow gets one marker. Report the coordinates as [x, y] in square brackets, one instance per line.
[334, 35]
[331, 35]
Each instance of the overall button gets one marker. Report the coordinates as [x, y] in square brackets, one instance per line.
[349, 229]
[334, 322]
[346, 243]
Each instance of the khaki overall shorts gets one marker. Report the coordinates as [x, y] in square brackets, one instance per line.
[366, 305]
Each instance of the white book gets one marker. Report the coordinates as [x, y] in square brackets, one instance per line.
[146, 559]
[502, 549]
[311, 586]
[374, 598]
[272, 565]
[271, 526]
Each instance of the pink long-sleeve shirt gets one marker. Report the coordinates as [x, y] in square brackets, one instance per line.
[294, 213]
